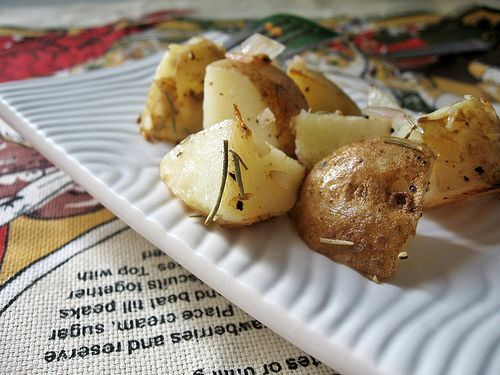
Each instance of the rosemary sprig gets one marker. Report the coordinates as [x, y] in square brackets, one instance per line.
[414, 126]
[225, 163]
[418, 129]
[398, 142]
[171, 105]
[172, 110]
[330, 241]
[237, 171]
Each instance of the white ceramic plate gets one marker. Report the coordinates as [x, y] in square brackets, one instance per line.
[440, 315]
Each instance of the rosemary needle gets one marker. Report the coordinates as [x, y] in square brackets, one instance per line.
[402, 143]
[172, 110]
[214, 210]
[171, 105]
[414, 126]
[237, 171]
[330, 241]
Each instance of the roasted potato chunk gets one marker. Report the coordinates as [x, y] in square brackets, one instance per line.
[321, 93]
[175, 100]
[260, 181]
[319, 134]
[466, 139]
[254, 85]
[360, 205]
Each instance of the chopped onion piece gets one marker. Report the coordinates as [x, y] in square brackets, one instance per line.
[379, 98]
[403, 123]
[241, 57]
[258, 44]
[386, 112]
[402, 129]
[266, 117]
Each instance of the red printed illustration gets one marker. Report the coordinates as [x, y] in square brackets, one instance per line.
[41, 209]
[36, 198]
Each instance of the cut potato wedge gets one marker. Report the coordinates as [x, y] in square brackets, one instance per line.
[319, 134]
[466, 138]
[175, 100]
[320, 92]
[253, 84]
[360, 205]
[193, 171]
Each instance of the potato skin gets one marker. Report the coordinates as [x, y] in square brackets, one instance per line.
[369, 193]
[277, 90]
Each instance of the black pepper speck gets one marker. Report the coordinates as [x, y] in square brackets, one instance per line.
[479, 170]
[239, 205]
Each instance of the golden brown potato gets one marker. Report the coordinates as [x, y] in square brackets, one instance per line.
[174, 105]
[320, 92]
[253, 84]
[466, 139]
[369, 194]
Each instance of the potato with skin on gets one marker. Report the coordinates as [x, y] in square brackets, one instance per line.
[253, 83]
[321, 93]
[271, 181]
[319, 134]
[175, 99]
[370, 194]
[466, 139]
